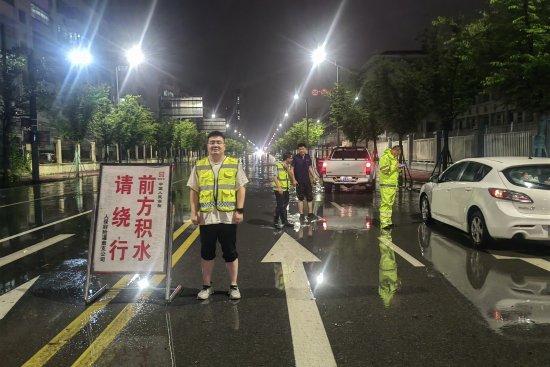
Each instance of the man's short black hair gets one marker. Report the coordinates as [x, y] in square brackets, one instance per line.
[302, 145]
[214, 134]
[286, 155]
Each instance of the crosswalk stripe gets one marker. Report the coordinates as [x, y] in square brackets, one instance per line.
[44, 226]
[32, 249]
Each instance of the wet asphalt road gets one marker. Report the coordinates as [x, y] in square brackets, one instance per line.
[417, 295]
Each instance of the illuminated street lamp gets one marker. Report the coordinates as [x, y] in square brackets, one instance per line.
[286, 114]
[280, 125]
[134, 57]
[356, 98]
[213, 115]
[296, 96]
[319, 55]
[80, 57]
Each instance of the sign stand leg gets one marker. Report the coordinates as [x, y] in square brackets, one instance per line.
[89, 298]
[169, 297]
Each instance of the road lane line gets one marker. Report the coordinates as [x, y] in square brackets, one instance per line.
[98, 346]
[337, 206]
[180, 230]
[402, 253]
[41, 357]
[44, 226]
[540, 263]
[32, 249]
[9, 299]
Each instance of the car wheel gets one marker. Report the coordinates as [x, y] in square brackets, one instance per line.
[327, 187]
[425, 209]
[478, 230]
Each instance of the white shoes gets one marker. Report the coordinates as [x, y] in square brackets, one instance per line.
[205, 293]
[234, 293]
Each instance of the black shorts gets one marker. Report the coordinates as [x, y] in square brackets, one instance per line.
[304, 190]
[225, 234]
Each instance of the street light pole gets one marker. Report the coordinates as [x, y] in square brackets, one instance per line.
[307, 124]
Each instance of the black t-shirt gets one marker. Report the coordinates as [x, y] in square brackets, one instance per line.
[301, 167]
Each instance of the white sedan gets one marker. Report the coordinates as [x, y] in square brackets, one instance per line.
[501, 197]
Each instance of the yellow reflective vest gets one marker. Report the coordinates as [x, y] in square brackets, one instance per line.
[282, 176]
[217, 192]
[389, 169]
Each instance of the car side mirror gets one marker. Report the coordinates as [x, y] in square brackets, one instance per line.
[434, 178]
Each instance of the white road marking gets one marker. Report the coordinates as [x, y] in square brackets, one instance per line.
[337, 206]
[40, 198]
[32, 249]
[8, 300]
[44, 226]
[540, 263]
[402, 253]
[309, 338]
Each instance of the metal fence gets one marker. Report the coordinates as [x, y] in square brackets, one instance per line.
[461, 147]
[508, 144]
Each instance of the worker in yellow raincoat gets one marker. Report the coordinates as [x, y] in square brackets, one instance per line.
[388, 283]
[389, 176]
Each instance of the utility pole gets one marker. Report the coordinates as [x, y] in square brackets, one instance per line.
[31, 66]
[8, 110]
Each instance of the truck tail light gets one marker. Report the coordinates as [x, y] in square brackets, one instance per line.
[368, 167]
[509, 195]
[323, 168]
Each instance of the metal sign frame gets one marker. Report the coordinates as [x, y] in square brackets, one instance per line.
[167, 267]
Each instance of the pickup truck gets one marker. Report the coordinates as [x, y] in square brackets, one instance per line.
[348, 167]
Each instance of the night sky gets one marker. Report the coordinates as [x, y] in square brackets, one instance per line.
[262, 47]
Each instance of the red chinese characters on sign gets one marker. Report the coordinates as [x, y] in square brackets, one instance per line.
[124, 184]
[122, 246]
[143, 227]
[141, 251]
[145, 206]
[121, 217]
[146, 184]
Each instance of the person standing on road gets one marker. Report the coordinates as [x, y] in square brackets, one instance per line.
[389, 176]
[301, 172]
[217, 195]
[281, 184]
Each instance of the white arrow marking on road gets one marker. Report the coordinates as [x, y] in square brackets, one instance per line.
[8, 300]
[541, 263]
[309, 338]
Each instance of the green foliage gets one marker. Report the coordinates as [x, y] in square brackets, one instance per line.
[515, 52]
[234, 147]
[297, 134]
[101, 127]
[450, 76]
[132, 123]
[186, 135]
[20, 163]
[348, 114]
[85, 106]
[397, 99]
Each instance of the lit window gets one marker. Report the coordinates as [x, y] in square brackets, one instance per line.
[40, 14]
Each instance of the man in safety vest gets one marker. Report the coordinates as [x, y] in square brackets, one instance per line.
[217, 194]
[389, 176]
[281, 183]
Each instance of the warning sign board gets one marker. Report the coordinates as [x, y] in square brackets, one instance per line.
[131, 233]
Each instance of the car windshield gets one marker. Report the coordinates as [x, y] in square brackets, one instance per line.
[350, 154]
[532, 176]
